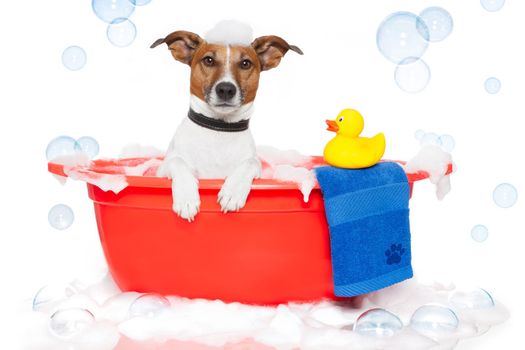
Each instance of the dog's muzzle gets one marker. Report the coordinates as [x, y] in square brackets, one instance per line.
[225, 91]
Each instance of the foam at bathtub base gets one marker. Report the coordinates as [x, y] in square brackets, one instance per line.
[215, 324]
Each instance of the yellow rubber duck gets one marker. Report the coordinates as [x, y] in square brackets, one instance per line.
[347, 149]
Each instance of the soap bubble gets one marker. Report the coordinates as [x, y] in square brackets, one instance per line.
[68, 323]
[109, 10]
[74, 58]
[434, 321]
[419, 134]
[121, 32]
[378, 323]
[412, 75]
[492, 85]
[430, 138]
[472, 299]
[402, 35]
[479, 233]
[505, 195]
[447, 143]
[88, 145]
[148, 305]
[142, 2]
[60, 216]
[61, 146]
[492, 5]
[51, 294]
[438, 21]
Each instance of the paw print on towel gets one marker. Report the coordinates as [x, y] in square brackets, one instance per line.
[394, 254]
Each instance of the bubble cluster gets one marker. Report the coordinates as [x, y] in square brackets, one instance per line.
[434, 321]
[74, 58]
[121, 32]
[505, 195]
[446, 142]
[492, 5]
[66, 145]
[412, 75]
[50, 294]
[430, 138]
[402, 35]
[419, 134]
[378, 323]
[88, 145]
[110, 10]
[148, 305]
[68, 323]
[472, 299]
[492, 85]
[61, 146]
[479, 233]
[60, 217]
[403, 38]
[438, 21]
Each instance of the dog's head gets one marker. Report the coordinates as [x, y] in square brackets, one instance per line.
[226, 77]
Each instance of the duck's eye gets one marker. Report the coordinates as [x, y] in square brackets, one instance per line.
[341, 119]
[208, 61]
[246, 64]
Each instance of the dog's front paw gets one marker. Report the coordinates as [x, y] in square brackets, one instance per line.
[233, 194]
[186, 202]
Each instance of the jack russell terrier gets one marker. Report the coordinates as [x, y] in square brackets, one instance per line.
[214, 141]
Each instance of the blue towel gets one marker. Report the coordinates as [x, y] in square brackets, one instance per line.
[367, 211]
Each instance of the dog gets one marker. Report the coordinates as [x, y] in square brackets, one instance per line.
[214, 140]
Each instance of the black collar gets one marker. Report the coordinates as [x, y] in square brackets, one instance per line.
[217, 124]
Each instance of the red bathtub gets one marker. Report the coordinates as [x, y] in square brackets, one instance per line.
[275, 250]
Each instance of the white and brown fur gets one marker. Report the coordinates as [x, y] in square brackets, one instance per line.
[196, 152]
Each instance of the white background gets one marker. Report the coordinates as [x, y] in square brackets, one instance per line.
[139, 95]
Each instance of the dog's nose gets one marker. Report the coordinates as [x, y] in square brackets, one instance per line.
[225, 90]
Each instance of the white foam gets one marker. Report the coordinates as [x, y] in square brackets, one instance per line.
[106, 182]
[135, 150]
[75, 167]
[141, 169]
[274, 156]
[230, 32]
[435, 161]
[303, 177]
[73, 160]
[322, 325]
[61, 179]
[288, 166]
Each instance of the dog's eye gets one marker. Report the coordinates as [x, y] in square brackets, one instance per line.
[208, 61]
[246, 64]
[341, 119]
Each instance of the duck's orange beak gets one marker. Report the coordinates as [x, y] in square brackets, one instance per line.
[332, 126]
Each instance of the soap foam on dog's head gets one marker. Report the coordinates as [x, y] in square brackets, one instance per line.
[230, 32]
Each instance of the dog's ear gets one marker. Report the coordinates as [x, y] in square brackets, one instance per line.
[271, 49]
[182, 45]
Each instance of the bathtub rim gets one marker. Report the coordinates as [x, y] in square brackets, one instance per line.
[102, 166]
